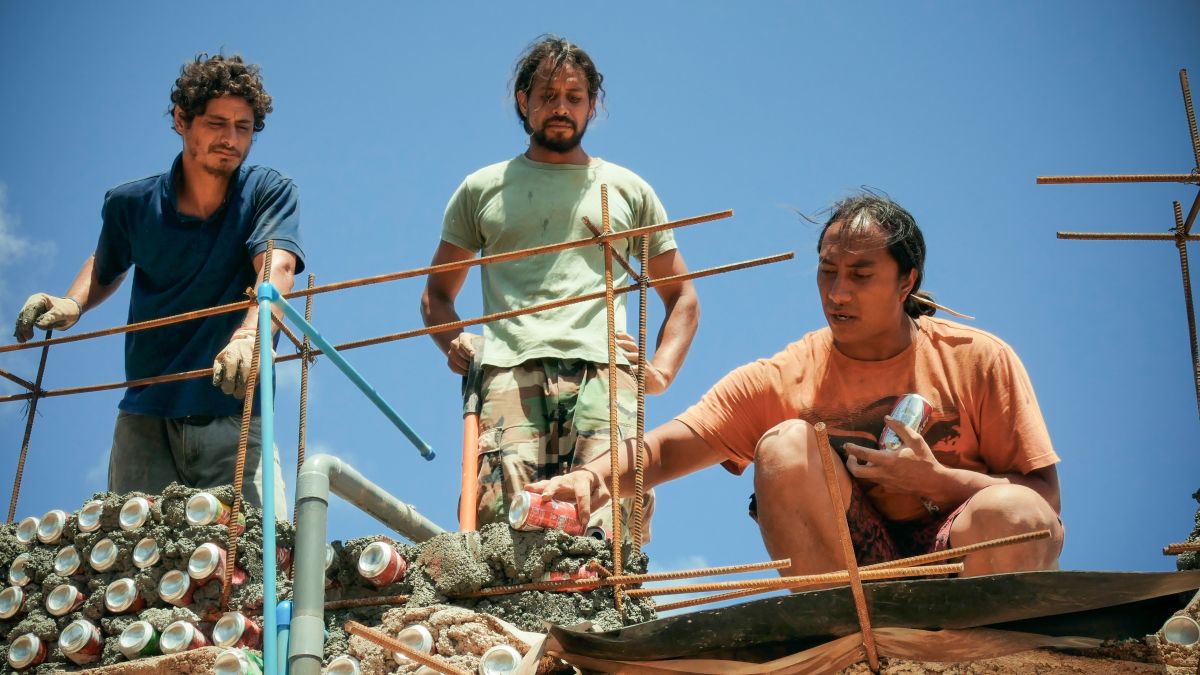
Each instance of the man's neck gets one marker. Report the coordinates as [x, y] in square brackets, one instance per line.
[576, 155]
[199, 193]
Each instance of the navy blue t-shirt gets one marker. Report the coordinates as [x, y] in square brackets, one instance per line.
[182, 263]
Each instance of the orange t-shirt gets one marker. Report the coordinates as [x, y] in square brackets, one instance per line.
[985, 416]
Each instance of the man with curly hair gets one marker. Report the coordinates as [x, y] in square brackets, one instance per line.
[545, 377]
[196, 237]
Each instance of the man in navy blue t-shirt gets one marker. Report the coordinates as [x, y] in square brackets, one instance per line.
[196, 237]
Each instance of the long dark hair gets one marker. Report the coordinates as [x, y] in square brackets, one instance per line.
[206, 78]
[545, 57]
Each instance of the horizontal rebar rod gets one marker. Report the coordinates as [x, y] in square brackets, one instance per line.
[1192, 178]
[1176, 549]
[616, 256]
[378, 279]
[207, 372]
[801, 581]
[393, 645]
[1123, 236]
[373, 601]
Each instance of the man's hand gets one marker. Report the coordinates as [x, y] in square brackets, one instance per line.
[231, 369]
[656, 380]
[46, 311]
[912, 468]
[462, 351]
[581, 487]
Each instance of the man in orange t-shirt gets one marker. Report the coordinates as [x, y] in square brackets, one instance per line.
[984, 467]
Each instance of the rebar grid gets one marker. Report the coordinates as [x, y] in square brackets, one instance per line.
[1192, 178]
[616, 256]
[393, 645]
[1176, 549]
[800, 581]
[613, 429]
[843, 529]
[639, 458]
[375, 601]
[33, 401]
[378, 279]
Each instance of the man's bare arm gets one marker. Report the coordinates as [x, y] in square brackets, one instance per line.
[437, 307]
[682, 316]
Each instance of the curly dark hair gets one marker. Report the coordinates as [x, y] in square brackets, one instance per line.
[208, 77]
[545, 57]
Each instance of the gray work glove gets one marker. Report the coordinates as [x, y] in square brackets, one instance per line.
[46, 311]
[231, 369]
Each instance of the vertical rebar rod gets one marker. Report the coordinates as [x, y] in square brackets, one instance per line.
[639, 470]
[1181, 245]
[305, 362]
[613, 429]
[33, 401]
[1191, 115]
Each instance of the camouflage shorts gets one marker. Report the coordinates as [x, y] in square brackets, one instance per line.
[543, 418]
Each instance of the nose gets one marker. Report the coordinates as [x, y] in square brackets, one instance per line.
[839, 291]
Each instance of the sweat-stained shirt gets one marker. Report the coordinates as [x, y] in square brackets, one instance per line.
[522, 204]
[985, 416]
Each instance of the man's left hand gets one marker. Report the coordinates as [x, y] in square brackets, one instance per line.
[231, 369]
[657, 381]
[912, 468]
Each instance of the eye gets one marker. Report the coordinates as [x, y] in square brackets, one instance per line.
[862, 276]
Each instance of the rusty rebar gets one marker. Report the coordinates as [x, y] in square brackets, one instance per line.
[1176, 549]
[639, 458]
[799, 581]
[1124, 236]
[1192, 178]
[33, 401]
[18, 380]
[960, 551]
[374, 601]
[614, 431]
[453, 325]
[843, 529]
[378, 279]
[1191, 114]
[277, 322]
[616, 256]
[1181, 246]
[302, 434]
[393, 645]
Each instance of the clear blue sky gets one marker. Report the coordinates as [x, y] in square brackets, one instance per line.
[381, 109]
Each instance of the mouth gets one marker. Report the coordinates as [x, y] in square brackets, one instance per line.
[839, 317]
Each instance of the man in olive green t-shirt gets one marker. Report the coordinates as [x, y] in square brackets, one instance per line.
[544, 381]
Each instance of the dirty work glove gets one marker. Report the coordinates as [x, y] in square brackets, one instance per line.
[46, 311]
[231, 369]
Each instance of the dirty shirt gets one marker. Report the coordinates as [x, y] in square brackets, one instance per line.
[182, 263]
[521, 204]
[985, 416]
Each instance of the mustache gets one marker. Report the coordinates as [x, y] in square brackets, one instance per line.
[560, 118]
[215, 147]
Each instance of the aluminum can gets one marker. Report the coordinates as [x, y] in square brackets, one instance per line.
[596, 532]
[344, 665]
[180, 637]
[207, 563]
[26, 651]
[238, 662]
[499, 660]
[18, 571]
[12, 602]
[135, 513]
[415, 637]
[81, 642]
[27, 530]
[283, 558]
[205, 509]
[50, 527]
[145, 553]
[380, 564]
[67, 561]
[103, 555]
[234, 630]
[137, 640]
[88, 519]
[176, 588]
[527, 511]
[582, 573]
[63, 600]
[122, 597]
[330, 572]
[913, 411]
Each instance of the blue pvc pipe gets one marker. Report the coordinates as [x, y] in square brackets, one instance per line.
[285, 628]
[340, 361]
[266, 389]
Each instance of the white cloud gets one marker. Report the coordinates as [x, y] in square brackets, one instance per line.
[14, 248]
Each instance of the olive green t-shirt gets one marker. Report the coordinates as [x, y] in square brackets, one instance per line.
[521, 204]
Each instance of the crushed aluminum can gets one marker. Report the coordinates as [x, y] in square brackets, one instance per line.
[88, 519]
[180, 637]
[344, 665]
[50, 527]
[234, 630]
[145, 553]
[12, 602]
[122, 597]
[67, 562]
[528, 511]
[913, 411]
[417, 638]
[135, 513]
[103, 555]
[176, 588]
[596, 532]
[18, 571]
[26, 651]
[584, 572]
[499, 660]
[203, 508]
[27, 530]
[207, 563]
[81, 642]
[64, 599]
[381, 564]
[137, 640]
[238, 662]
[330, 572]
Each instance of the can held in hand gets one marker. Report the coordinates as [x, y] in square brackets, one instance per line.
[26, 651]
[180, 637]
[234, 630]
[134, 513]
[18, 571]
[103, 555]
[176, 588]
[81, 642]
[381, 564]
[913, 411]
[238, 662]
[145, 553]
[417, 638]
[139, 639]
[63, 600]
[528, 511]
[50, 527]
[12, 602]
[88, 519]
[499, 660]
[122, 597]
[27, 530]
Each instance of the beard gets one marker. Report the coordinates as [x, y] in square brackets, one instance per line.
[560, 145]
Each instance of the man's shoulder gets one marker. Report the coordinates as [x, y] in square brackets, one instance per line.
[257, 175]
[491, 173]
[620, 175]
[947, 335]
[135, 190]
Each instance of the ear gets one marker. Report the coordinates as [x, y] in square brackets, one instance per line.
[592, 108]
[907, 282]
[180, 124]
[523, 103]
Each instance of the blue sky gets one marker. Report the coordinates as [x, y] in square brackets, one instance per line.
[381, 109]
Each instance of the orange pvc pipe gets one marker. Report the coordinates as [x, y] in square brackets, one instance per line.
[470, 473]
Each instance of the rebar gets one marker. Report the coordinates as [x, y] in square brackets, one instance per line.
[33, 401]
[1191, 115]
[1192, 178]
[839, 516]
[800, 581]
[393, 645]
[378, 279]
[613, 428]
[453, 325]
[375, 601]
[616, 256]
[1176, 549]
[18, 380]
[1181, 245]
[302, 433]
[960, 551]
[639, 458]
[1124, 236]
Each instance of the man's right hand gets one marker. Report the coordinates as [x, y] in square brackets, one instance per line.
[46, 311]
[582, 487]
[462, 351]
